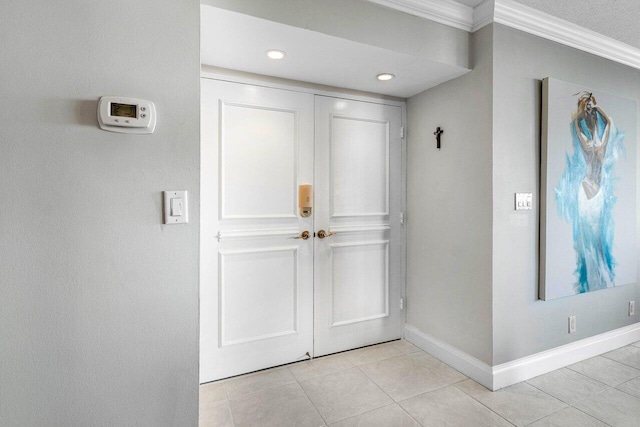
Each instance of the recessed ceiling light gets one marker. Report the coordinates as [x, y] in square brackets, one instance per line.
[385, 76]
[276, 54]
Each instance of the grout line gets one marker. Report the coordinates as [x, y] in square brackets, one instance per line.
[482, 403]
[622, 391]
[552, 413]
[376, 384]
[589, 415]
[551, 396]
[410, 416]
[610, 360]
[233, 422]
[626, 364]
[326, 423]
[606, 387]
[586, 376]
[395, 356]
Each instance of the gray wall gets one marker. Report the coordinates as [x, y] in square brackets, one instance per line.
[99, 301]
[523, 325]
[449, 207]
[362, 21]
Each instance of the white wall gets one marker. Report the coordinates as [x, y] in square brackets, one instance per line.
[449, 229]
[99, 301]
[524, 325]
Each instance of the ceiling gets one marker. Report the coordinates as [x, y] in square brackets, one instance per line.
[239, 42]
[617, 19]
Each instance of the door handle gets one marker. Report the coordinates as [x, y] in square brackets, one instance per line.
[304, 235]
[322, 234]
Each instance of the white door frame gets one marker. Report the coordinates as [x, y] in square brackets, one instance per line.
[277, 83]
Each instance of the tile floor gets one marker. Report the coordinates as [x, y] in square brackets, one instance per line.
[396, 385]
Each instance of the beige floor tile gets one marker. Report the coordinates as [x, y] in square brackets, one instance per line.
[405, 347]
[450, 406]
[407, 376]
[629, 355]
[212, 392]
[281, 406]
[520, 404]
[613, 407]
[605, 370]
[320, 366]
[567, 385]
[473, 388]
[631, 387]
[569, 417]
[374, 353]
[388, 416]
[215, 414]
[259, 381]
[344, 394]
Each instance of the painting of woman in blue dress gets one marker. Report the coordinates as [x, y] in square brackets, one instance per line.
[585, 195]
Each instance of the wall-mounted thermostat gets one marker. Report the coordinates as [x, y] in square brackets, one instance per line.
[126, 115]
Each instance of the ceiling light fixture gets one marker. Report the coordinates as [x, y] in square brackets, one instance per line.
[385, 76]
[276, 54]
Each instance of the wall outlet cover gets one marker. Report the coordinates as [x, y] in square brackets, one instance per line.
[524, 201]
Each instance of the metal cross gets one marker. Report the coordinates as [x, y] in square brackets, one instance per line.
[437, 133]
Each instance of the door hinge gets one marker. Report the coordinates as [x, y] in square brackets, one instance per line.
[401, 217]
[401, 303]
[401, 131]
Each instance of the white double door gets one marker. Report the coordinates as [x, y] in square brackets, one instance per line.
[266, 297]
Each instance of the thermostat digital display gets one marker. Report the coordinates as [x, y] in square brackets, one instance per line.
[126, 115]
[123, 110]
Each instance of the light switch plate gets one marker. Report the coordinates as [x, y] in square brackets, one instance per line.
[524, 201]
[176, 207]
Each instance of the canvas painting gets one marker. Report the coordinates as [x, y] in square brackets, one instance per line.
[588, 190]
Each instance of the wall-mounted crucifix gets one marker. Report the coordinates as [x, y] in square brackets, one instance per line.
[437, 133]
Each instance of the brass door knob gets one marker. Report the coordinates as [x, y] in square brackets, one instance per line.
[322, 234]
[304, 235]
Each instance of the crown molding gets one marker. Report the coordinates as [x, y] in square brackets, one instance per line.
[532, 21]
[443, 11]
[520, 17]
[482, 15]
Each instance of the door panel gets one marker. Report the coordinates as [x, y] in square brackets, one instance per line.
[357, 275]
[359, 165]
[256, 285]
[258, 161]
[359, 268]
[268, 275]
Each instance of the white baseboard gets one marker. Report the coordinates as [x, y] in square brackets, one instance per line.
[559, 357]
[457, 359]
[513, 372]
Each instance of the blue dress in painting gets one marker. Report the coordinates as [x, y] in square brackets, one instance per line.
[585, 195]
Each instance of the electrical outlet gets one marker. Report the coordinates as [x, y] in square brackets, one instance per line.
[632, 308]
[572, 324]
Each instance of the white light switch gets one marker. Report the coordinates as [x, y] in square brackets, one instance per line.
[176, 207]
[524, 201]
